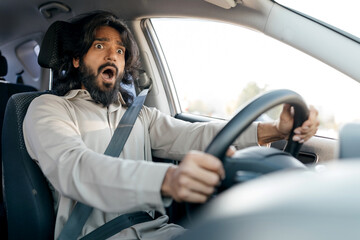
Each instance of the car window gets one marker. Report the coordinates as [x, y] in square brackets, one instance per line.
[217, 67]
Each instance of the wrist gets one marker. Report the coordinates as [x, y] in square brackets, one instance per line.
[269, 132]
[166, 184]
[283, 135]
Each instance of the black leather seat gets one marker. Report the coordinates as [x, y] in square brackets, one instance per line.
[28, 200]
[27, 197]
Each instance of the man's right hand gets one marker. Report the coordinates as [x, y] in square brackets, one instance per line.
[194, 179]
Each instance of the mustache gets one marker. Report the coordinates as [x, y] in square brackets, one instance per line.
[107, 65]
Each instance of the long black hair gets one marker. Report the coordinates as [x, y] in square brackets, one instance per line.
[82, 36]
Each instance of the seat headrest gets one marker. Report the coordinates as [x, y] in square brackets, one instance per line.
[3, 66]
[55, 43]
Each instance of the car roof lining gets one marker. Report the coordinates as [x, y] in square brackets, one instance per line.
[253, 14]
[128, 10]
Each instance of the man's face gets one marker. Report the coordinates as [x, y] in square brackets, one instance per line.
[102, 67]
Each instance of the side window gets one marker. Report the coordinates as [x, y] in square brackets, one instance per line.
[217, 67]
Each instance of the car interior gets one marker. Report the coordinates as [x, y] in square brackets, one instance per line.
[311, 207]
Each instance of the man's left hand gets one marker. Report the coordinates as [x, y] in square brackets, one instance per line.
[302, 133]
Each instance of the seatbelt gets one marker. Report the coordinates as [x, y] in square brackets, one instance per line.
[117, 224]
[81, 212]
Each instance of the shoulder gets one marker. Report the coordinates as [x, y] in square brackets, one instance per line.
[151, 113]
[47, 97]
[49, 103]
[155, 118]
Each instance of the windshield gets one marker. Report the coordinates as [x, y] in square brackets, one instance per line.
[250, 68]
[342, 14]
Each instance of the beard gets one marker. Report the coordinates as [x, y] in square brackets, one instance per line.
[105, 93]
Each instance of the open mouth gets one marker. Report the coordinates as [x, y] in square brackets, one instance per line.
[108, 74]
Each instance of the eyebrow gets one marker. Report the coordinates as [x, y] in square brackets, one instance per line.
[108, 40]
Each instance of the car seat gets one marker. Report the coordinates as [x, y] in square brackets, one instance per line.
[3, 67]
[7, 89]
[27, 197]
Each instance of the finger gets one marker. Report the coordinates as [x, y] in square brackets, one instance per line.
[310, 124]
[312, 119]
[189, 196]
[286, 111]
[231, 151]
[209, 162]
[301, 138]
[304, 129]
[313, 112]
[307, 127]
[206, 177]
[202, 167]
[195, 186]
[287, 107]
[192, 187]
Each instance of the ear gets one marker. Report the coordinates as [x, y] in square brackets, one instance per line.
[76, 62]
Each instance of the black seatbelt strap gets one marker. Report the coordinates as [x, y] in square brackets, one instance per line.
[125, 125]
[117, 224]
[81, 212]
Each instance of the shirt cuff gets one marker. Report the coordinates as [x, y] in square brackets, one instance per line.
[248, 138]
[153, 198]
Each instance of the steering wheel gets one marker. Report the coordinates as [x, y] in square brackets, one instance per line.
[258, 157]
[251, 112]
[255, 161]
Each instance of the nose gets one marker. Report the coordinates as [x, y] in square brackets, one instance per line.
[111, 54]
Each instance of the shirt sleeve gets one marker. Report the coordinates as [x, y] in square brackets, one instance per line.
[107, 183]
[173, 138]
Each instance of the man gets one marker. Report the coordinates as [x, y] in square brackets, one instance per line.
[68, 133]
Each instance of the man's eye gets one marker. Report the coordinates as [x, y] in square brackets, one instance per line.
[120, 51]
[99, 46]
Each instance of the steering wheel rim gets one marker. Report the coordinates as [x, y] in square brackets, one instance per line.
[251, 112]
